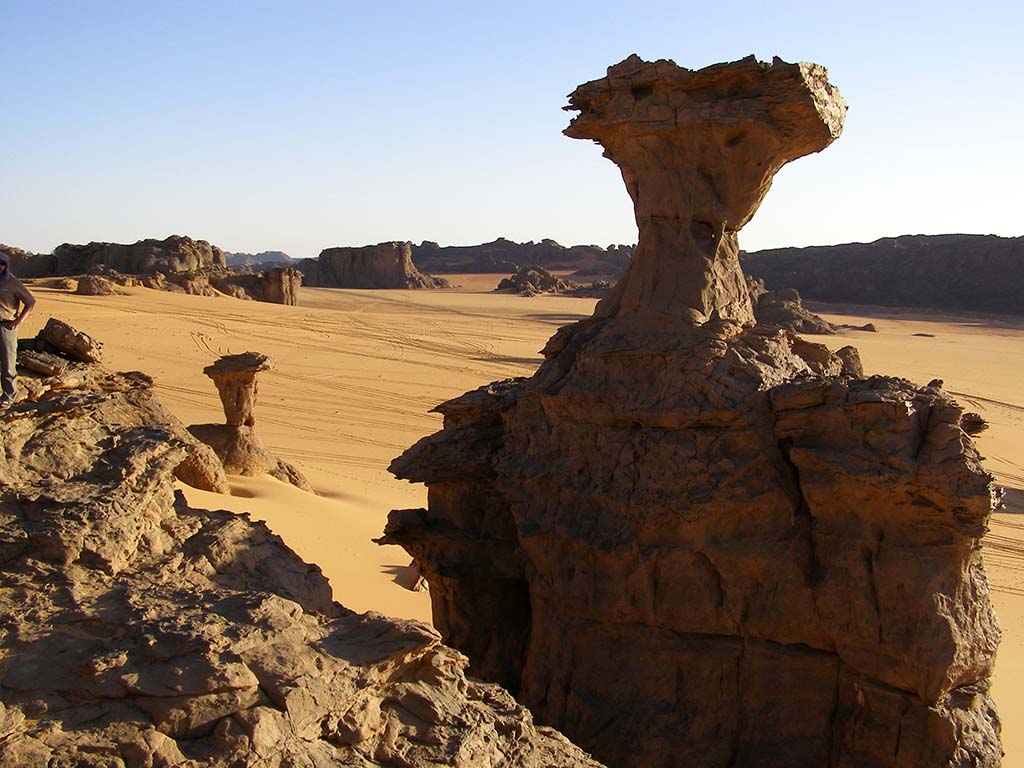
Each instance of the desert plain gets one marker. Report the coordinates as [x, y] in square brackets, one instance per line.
[358, 372]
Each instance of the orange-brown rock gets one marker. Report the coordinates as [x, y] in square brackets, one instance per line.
[686, 541]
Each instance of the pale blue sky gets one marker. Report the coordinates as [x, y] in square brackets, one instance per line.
[299, 126]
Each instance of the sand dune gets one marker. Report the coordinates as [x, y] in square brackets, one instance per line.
[357, 373]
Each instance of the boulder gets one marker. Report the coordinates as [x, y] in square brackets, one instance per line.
[75, 344]
[385, 265]
[138, 631]
[693, 540]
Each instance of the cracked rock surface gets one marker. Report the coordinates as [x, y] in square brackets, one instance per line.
[138, 632]
[692, 541]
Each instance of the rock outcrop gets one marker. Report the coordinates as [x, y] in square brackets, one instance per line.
[178, 264]
[693, 540]
[385, 265]
[139, 632]
[60, 363]
[531, 280]
[173, 254]
[503, 255]
[974, 273]
[278, 285]
[236, 442]
[784, 309]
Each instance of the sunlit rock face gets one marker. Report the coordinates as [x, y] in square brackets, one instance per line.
[137, 631]
[692, 541]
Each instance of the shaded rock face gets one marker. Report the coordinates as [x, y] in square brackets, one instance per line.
[504, 255]
[690, 541]
[236, 443]
[784, 309]
[386, 265]
[137, 631]
[531, 280]
[977, 273]
[279, 285]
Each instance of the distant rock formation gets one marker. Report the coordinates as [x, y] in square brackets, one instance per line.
[178, 264]
[137, 631]
[974, 273]
[531, 280]
[693, 540]
[279, 285]
[259, 261]
[236, 442]
[385, 265]
[173, 254]
[784, 309]
[503, 255]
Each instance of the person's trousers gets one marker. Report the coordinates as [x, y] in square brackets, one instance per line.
[8, 361]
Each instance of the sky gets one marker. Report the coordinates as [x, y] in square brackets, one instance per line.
[300, 126]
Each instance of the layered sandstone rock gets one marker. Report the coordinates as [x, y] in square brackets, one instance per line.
[173, 254]
[693, 541]
[139, 632]
[386, 265]
[236, 442]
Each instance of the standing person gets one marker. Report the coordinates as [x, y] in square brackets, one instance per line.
[15, 304]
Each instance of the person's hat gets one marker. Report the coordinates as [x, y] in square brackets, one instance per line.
[5, 258]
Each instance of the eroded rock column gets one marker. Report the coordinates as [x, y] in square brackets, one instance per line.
[697, 151]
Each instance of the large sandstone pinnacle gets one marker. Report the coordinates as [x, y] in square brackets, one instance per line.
[698, 150]
[686, 541]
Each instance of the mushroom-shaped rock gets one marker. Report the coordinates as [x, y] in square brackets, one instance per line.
[688, 541]
[698, 150]
[236, 443]
[235, 378]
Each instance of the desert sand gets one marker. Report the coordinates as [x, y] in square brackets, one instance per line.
[357, 373]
